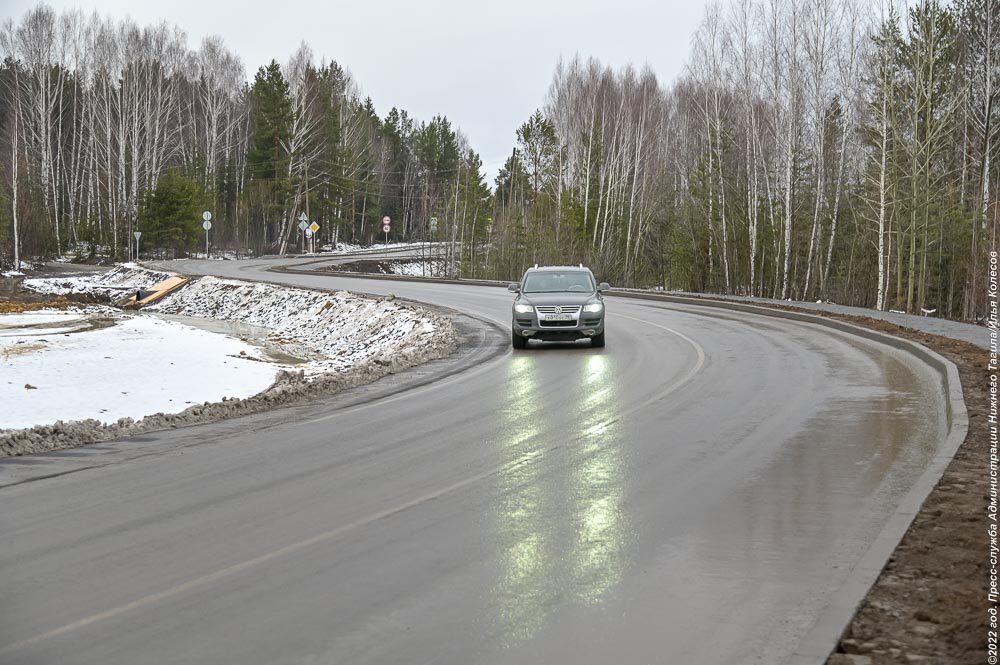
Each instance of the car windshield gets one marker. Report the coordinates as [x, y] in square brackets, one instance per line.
[578, 281]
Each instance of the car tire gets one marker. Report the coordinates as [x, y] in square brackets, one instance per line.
[597, 341]
[517, 341]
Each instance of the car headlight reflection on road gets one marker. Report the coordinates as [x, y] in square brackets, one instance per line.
[594, 307]
[523, 309]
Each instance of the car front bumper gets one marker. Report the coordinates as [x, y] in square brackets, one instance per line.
[586, 326]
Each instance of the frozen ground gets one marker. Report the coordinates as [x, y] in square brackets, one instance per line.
[332, 331]
[19, 271]
[432, 268]
[223, 255]
[230, 339]
[349, 248]
[98, 363]
[113, 285]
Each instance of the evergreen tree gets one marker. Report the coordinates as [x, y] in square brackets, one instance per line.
[171, 213]
[271, 119]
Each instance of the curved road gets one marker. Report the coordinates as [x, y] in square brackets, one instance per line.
[693, 493]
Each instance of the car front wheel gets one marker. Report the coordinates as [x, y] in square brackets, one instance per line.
[597, 341]
[517, 341]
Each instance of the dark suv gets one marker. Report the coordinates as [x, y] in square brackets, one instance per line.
[558, 303]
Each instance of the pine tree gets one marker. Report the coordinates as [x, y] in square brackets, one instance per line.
[271, 119]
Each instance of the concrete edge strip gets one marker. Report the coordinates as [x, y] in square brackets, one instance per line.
[822, 638]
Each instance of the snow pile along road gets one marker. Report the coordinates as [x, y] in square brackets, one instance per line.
[350, 248]
[333, 331]
[20, 270]
[111, 286]
[431, 268]
[85, 375]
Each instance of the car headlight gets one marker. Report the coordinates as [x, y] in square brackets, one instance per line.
[521, 308]
[594, 307]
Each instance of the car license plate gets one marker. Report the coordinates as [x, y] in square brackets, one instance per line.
[558, 317]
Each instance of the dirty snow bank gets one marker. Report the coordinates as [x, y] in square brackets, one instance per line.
[432, 268]
[351, 248]
[334, 331]
[112, 285]
[347, 341]
[97, 363]
[21, 270]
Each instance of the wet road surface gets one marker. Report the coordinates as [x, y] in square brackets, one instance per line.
[693, 493]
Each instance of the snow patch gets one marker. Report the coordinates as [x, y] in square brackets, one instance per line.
[100, 374]
[432, 268]
[333, 331]
[137, 366]
[350, 248]
[112, 285]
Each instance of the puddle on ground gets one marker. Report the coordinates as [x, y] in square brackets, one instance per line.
[255, 335]
[68, 325]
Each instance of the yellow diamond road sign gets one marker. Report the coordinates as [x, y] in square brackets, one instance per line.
[314, 227]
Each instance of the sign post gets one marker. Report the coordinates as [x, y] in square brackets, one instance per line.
[303, 225]
[206, 224]
[314, 228]
[433, 230]
[137, 234]
[386, 227]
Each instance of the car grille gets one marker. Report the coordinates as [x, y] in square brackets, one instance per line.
[551, 309]
[570, 310]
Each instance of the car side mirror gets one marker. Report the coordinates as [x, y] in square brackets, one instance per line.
[603, 286]
[514, 288]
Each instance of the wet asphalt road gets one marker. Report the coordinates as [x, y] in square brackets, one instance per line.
[690, 494]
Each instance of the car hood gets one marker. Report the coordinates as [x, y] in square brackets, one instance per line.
[564, 298]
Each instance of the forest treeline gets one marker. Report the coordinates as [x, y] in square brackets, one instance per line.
[834, 149]
[813, 149]
[109, 128]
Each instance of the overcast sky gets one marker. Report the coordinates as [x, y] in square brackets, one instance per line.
[486, 66]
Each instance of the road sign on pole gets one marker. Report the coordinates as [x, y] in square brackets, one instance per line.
[386, 227]
[207, 224]
[137, 234]
[303, 225]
